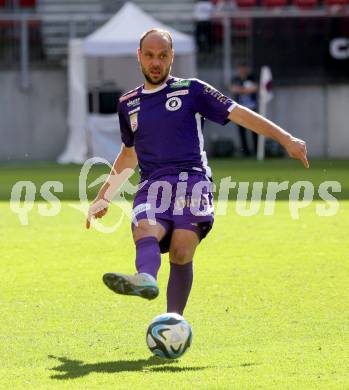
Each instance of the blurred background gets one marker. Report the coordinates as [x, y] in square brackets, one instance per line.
[63, 65]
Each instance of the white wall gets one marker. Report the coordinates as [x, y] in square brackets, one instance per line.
[338, 121]
[33, 122]
[302, 111]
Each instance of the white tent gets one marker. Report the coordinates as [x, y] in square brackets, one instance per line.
[108, 56]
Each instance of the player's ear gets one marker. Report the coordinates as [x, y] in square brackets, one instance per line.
[173, 53]
[139, 54]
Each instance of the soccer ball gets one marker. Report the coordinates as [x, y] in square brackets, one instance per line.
[169, 335]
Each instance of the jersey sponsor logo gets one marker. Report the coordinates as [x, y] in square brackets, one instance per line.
[134, 102]
[178, 93]
[123, 98]
[134, 121]
[180, 84]
[194, 202]
[133, 111]
[173, 104]
[216, 94]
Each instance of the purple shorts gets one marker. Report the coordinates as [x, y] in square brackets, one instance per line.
[183, 201]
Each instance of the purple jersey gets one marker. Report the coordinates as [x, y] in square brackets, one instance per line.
[165, 125]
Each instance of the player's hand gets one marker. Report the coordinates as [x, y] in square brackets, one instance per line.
[297, 148]
[98, 209]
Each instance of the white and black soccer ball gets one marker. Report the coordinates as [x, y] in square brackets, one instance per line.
[169, 335]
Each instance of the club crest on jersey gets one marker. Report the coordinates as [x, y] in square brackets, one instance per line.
[173, 104]
[134, 121]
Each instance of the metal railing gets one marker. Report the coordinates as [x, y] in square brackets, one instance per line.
[22, 23]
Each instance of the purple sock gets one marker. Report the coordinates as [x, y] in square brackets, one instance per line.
[148, 257]
[179, 286]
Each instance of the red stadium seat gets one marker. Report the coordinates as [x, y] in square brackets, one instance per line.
[306, 3]
[2, 3]
[274, 3]
[241, 24]
[246, 3]
[241, 27]
[336, 2]
[27, 3]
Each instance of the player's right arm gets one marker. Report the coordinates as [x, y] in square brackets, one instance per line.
[122, 169]
[213, 105]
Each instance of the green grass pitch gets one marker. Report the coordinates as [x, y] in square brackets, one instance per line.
[269, 305]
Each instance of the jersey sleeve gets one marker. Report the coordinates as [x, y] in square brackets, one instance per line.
[127, 135]
[212, 104]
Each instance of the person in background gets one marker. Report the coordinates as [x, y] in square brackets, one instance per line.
[244, 88]
[203, 28]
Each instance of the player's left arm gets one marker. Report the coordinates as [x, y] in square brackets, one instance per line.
[295, 147]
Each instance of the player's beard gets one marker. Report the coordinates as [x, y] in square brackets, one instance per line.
[158, 81]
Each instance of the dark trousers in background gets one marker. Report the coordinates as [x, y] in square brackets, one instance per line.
[244, 143]
[203, 34]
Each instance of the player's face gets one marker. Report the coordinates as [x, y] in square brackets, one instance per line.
[155, 58]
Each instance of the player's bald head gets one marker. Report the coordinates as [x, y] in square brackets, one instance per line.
[156, 36]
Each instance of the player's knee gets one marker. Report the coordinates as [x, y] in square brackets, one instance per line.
[181, 255]
[140, 232]
[144, 229]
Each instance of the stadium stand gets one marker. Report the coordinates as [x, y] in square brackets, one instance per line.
[11, 5]
[336, 2]
[159, 9]
[246, 3]
[274, 3]
[55, 35]
[27, 3]
[306, 4]
[53, 29]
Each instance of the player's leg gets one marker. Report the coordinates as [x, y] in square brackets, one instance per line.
[146, 236]
[190, 226]
[182, 248]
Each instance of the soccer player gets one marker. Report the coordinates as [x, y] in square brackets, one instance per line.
[161, 125]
